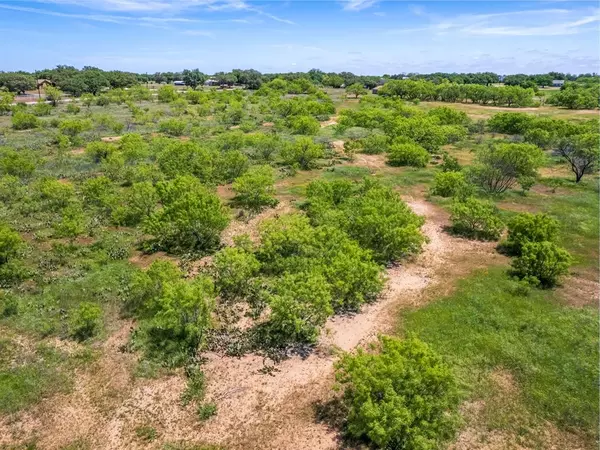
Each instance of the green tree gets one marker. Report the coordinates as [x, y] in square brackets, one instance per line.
[54, 95]
[306, 125]
[356, 89]
[17, 82]
[24, 121]
[476, 218]
[191, 218]
[582, 152]
[542, 263]
[255, 189]
[500, 166]
[404, 397]
[17, 163]
[167, 94]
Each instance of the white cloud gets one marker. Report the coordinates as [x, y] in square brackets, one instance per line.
[204, 33]
[542, 22]
[358, 5]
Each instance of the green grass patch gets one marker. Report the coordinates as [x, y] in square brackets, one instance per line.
[551, 350]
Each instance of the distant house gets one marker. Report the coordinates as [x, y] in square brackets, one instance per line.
[375, 90]
[558, 83]
[179, 83]
[211, 82]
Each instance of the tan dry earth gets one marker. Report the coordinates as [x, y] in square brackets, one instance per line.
[255, 410]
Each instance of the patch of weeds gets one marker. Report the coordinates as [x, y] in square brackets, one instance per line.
[146, 433]
[78, 444]
[196, 385]
[206, 411]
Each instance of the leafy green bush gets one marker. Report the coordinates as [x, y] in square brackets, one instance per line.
[234, 267]
[476, 219]
[73, 127]
[10, 243]
[450, 164]
[255, 189]
[72, 109]
[56, 194]
[19, 164]
[301, 303]
[375, 144]
[370, 213]
[167, 94]
[173, 127]
[542, 263]
[405, 397]
[42, 109]
[191, 219]
[24, 121]
[72, 222]
[304, 125]
[230, 165]
[206, 411]
[510, 122]
[302, 153]
[408, 155]
[449, 116]
[451, 184]
[541, 138]
[525, 227]
[85, 321]
[185, 158]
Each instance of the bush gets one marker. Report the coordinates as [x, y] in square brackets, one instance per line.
[375, 144]
[10, 243]
[98, 151]
[24, 121]
[85, 321]
[255, 189]
[19, 164]
[167, 94]
[301, 303]
[234, 267]
[510, 122]
[304, 125]
[73, 127]
[536, 136]
[72, 109]
[451, 184]
[206, 411]
[172, 127]
[450, 164]
[542, 263]
[302, 153]
[405, 397]
[191, 218]
[42, 109]
[525, 227]
[408, 155]
[476, 219]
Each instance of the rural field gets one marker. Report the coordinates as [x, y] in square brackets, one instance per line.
[298, 265]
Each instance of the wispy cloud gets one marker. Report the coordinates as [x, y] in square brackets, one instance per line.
[541, 22]
[204, 33]
[170, 8]
[358, 5]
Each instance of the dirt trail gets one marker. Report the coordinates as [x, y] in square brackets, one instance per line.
[255, 410]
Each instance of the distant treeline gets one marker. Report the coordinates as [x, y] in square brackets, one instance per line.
[579, 91]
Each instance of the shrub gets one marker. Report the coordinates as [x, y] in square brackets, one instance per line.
[167, 94]
[102, 100]
[72, 109]
[178, 319]
[541, 263]
[301, 303]
[304, 125]
[72, 222]
[476, 218]
[24, 121]
[10, 243]
[375, 143]
[19, 164]
[450, 164]
[172, 127]
[73, 127]
[582, 152]
[233, 269]
[255, 189]
[525, 227]
[302, 153]
[191, 219]
[449, 116]
[372, 214]
[85, 321]
[541, 138]
[42, 109]
[55, 193]
[451, 184]
[230, 165]
[510, 122]
[405, 397]
[408, 155]
[98, 151]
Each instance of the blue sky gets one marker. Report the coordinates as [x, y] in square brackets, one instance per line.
[361, 36]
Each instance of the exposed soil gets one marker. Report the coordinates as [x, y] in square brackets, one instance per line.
[330, 122]
[111, 139]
